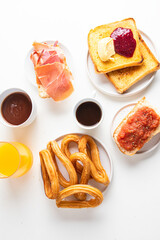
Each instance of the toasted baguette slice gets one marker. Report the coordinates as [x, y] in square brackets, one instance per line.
[140, 104]
[117, 61]
[41, 91]
[125, 78]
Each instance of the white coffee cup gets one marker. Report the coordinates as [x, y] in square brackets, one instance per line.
[83, 101]
[32, 116]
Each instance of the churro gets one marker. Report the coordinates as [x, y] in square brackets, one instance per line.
[49, 174]
[100, 172]
[73, 179]
[94, 192]
[66, 141]
[85, 173]
[65, 148]
[86, 162]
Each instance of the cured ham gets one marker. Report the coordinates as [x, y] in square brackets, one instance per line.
[44, 53]
[49, 73]
[62, 87]
[52, 74]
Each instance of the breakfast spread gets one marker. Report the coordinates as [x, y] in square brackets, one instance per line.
[119, 52]
[132, 61]
[137, 128]
[91, 167]
[16, 108]
[53, 76]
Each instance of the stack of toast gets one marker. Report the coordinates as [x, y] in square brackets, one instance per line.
[123, 72]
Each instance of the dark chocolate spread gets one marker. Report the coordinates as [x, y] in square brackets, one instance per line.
[16, 108]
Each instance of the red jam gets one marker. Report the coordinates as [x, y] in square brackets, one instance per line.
[138, 128]
[124, 42]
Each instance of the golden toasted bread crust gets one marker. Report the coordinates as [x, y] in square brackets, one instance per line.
[118, 61]
[123, 79]
[140, 104]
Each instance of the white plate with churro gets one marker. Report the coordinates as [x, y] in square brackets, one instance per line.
[73, 167]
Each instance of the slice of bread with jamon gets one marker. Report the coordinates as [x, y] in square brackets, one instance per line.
[139, 125]
[53, 76]
[123, 79]
[117, 61]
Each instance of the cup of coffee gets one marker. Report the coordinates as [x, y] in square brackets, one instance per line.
[88, 113]
[17, 108]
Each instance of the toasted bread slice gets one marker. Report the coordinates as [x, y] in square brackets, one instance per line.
[125, 78]
[117, 61]
[41, 91]
[140, 104]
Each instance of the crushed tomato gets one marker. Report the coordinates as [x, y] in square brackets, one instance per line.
[138, 128]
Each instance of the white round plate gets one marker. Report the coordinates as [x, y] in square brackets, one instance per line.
[101, 82]
[104, 157]
[119, 116]
[29, 67]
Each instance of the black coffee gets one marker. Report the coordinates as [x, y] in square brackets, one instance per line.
[88, 113]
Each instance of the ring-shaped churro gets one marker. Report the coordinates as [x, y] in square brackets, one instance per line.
[66, 141]
[73, 179]
[94, 192]
[49, 174]
[82, 146]
[65, 148]
[85, 173]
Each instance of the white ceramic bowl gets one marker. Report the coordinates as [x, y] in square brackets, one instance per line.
[32, 116]
[88, 100]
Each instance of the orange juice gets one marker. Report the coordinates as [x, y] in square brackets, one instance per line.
[15, 159]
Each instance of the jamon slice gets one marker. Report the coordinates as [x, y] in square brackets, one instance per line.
[62, 87]
[44, 54]
[52, 75]
[49, 73]
[52, 58]
[40, 46]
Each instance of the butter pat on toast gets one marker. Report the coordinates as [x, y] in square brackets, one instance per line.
[125, 78]
[117, 61]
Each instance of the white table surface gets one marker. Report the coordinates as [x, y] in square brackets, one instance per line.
[131, 207]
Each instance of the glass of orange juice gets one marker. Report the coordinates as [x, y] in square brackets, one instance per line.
[15, 159]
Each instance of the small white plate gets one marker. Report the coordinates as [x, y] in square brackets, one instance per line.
[101, 82]
[119, 116]
[29, 67]
[104, 157]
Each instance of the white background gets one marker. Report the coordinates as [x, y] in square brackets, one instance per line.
[131, 207]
